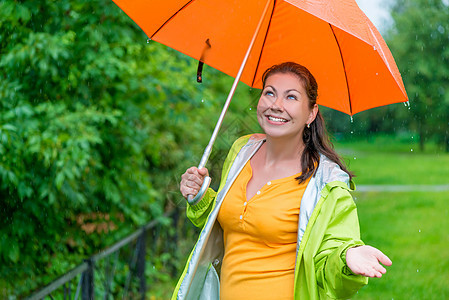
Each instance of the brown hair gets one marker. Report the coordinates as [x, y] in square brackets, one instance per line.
[316, 138]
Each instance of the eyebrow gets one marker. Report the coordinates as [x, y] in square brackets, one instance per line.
[287, 91]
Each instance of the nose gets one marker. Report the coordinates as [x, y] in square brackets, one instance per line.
[277, 104]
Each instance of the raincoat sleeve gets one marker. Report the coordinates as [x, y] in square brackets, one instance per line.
[335, 279]
[199, 212]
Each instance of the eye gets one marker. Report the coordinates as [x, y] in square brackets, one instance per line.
[269, 93]
[292, 97]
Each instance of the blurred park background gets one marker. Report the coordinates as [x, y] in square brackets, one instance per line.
[97, 124]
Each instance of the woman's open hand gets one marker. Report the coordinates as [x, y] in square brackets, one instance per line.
[365, 260]
[192, 180]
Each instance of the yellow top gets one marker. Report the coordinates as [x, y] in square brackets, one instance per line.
[260, 237]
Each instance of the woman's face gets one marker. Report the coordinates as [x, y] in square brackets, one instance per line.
[284, 109]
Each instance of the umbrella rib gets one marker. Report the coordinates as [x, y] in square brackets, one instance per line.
[169, 19]
[344, 68]
[263, 44]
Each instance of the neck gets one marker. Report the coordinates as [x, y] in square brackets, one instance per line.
[283, 150]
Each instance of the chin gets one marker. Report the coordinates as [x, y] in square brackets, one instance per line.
[276, 134]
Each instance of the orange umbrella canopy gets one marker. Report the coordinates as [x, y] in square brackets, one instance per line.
[332, 38]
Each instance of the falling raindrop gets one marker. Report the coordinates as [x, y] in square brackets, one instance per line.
[148, 41]
[374, 47]
[355, 157]
[202, 100]
[250, 108]
[417, 270]
[411, 150]
[377, 74]
[352, 119]
[352, 131]
[419, 230]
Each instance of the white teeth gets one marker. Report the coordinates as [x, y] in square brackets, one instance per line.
[274, 119]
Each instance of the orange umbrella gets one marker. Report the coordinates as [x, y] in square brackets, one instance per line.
[332, 38]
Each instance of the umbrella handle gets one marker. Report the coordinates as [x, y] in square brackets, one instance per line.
[194, 200]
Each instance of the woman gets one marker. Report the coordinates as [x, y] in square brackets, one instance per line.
[283, 224]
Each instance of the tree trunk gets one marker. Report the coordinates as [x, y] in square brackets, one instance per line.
[446, 141]
[421, 138]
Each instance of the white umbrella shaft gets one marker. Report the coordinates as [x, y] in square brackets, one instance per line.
[193, 200]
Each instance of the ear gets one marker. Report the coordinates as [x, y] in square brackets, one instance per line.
[312, 114]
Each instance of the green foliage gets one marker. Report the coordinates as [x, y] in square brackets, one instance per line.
[419, 39]
[96, 126]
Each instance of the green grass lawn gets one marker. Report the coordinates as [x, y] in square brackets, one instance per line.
[385, 161]
[413, 230]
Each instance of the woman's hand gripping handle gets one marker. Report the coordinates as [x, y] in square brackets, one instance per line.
[194, 184]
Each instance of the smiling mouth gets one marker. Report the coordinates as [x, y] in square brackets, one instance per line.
[277, 119]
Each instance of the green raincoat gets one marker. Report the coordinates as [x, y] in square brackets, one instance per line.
[328, 226]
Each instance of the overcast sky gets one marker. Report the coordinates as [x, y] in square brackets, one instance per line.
[376, 10]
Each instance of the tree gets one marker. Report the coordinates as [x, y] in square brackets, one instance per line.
[96, 125]
[419, 39]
